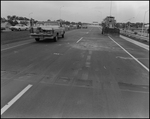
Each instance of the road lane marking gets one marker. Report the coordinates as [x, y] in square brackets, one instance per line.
[79, 40]
[135, 91]
[15, 46]
[88, 57]
[10, 103]
[87, 64]
[131, 58]
[130, 55]
[135, 42]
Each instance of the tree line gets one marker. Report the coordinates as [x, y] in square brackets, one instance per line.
[13, 20]
[125, 25]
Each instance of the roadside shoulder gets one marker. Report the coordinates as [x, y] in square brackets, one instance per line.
[135, 42]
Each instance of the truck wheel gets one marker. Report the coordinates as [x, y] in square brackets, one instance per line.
[63, 35]
[37, 39]
[55, 38]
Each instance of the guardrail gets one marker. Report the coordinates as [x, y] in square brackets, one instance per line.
[132, 35]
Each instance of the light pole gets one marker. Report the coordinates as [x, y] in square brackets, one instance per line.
[101, 13]
[143, 22]
[110, 7]
[30, 14]
[60, 11]
[31, 22]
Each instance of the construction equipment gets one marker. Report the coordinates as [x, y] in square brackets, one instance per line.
[108, 26]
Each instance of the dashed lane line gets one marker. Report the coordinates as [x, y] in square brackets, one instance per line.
[15, 99]
[88, 57]
[130, 54]
[79, 39]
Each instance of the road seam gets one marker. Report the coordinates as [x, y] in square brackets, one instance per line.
[15, 46]
[10, 103]
[130, 54]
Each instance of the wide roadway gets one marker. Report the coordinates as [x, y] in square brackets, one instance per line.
[85, 74]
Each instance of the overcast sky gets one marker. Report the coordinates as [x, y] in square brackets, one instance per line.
[84, 11]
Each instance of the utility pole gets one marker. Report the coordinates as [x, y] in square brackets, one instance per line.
[143, 22]
[110, 7]
[60, 11]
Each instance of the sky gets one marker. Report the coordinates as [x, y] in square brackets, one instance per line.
[78, 11]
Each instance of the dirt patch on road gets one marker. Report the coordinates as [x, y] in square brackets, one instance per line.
[96, 44]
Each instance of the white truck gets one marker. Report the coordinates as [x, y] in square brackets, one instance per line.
[47, 29]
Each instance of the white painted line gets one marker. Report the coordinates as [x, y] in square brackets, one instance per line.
[135, 91]
[15, 46]
[135, 42]
[79, 40]
[104, 67]
[87, 64]
[131, 58]
[130, 55]
[15, 99]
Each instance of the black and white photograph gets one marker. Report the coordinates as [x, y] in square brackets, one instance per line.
[74, 59]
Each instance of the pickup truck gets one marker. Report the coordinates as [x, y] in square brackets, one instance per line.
[47, 29]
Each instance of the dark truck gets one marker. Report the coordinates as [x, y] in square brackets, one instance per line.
[108, 26]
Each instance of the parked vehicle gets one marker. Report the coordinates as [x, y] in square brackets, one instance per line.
[19, 27]
[47, 29]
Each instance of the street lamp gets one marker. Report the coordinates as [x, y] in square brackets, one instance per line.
[60, 11]
[110, 7]
[30, 14]
[31, 22]
[143, 22]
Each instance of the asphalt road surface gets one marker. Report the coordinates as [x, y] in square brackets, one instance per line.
[85, 74]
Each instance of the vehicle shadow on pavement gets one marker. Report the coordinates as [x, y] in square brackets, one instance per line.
[45, 41]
